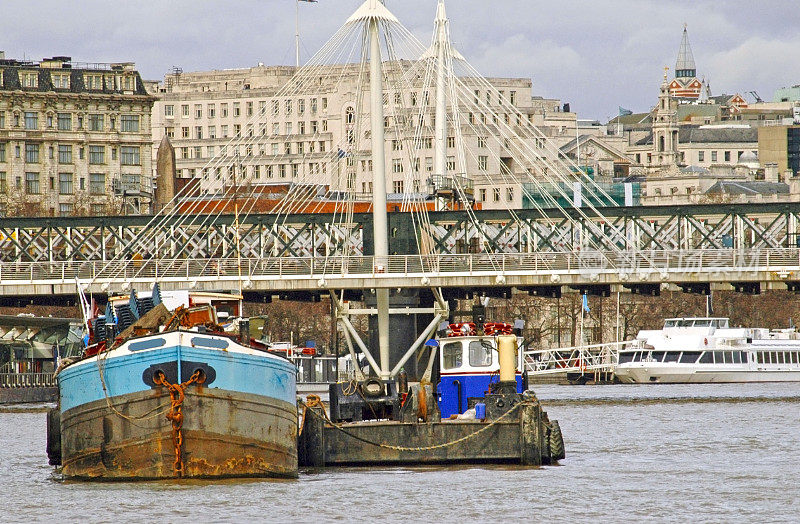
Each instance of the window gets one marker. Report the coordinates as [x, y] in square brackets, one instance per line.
[29, 79]
[497, 194]
[483, 163]
[169, 110]
[713, 156]
[64, 154]
[2, 152]
[3, 182]
[97, 183]
[237, 110]
[65, 209]
[451, 163]
[249, 108]
[313, 106]
[224, 110]
[398, 186]
[170, 132]
[31, 120]
[701, 156]
[397, 167]
[224, 131]
[129, 155]
[65, 186]
[513, 97]
[95, 122]
[97, 154]
[295, 170]
[481, 141]
[287, 104]
[32, 153]
[301, 107]
[510, 194]
[32, 183]
[324, 104]
[301, 128]
[452, 355]
[480, 354]
[451, 141]
[185, 132]
[198, 132]
[185, 110]
[482, 195]
[727, 156]
[65, 121]
[130, 124]
[288, 128]
[60, 80]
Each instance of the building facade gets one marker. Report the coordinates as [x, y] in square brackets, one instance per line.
[74, 138]
[239, 119]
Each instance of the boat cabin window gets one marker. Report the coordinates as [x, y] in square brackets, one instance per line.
[452, 355]
[625, 357]
[689, 357]
[657, 356]
[702, 323]
[706, 358]
[480, 354]
[669, 323]
[672, 356]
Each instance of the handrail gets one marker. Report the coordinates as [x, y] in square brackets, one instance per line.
[630, 266]
[22, 380]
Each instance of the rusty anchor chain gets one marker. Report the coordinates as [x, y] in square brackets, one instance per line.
[175, 413]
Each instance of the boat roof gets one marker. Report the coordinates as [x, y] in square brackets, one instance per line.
[697, 318]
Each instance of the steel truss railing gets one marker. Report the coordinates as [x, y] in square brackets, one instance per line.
[502, 269]
[578, 359]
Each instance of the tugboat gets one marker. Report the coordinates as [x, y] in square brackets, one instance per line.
[163, 391]
[480, 412]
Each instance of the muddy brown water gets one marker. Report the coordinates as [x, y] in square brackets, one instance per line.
[700, 453]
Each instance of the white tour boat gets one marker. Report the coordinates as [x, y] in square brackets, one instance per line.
[691, 350]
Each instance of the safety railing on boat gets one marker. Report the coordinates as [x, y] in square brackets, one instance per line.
[27, 380]
[587, 358]
[633, 265]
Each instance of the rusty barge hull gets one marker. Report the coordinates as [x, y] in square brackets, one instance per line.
[224, 434]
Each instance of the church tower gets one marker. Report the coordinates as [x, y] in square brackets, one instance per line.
[665, 129]
[685, 84]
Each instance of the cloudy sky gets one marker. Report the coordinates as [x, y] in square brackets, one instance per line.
[597, 55]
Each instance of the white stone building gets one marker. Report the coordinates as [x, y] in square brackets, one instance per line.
[213, 118]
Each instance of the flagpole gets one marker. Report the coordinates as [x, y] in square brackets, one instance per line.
[297, 33]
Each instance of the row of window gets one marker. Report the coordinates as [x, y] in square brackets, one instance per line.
[128, 155]
[64, 122]
[314, 127]
[236, 108]
[92, 81]
[711, 357]
[496, 194]
[64, 183]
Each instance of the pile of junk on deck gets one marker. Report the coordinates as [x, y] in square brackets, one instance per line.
[164, 390]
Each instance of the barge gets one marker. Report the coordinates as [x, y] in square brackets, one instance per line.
[171, 394]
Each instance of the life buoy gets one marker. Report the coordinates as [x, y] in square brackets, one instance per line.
[705, 341]
[462, 329]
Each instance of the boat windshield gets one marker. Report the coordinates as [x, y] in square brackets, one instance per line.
[452, 355]
[704, 322]
[669, 323]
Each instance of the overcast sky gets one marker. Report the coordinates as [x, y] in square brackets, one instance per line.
[597, 55]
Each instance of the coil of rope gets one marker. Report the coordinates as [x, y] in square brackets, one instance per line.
[314, 401]
[175, 414]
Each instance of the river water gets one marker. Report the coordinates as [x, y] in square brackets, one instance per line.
[700, 453]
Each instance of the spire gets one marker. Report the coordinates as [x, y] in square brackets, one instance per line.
[685, 66]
